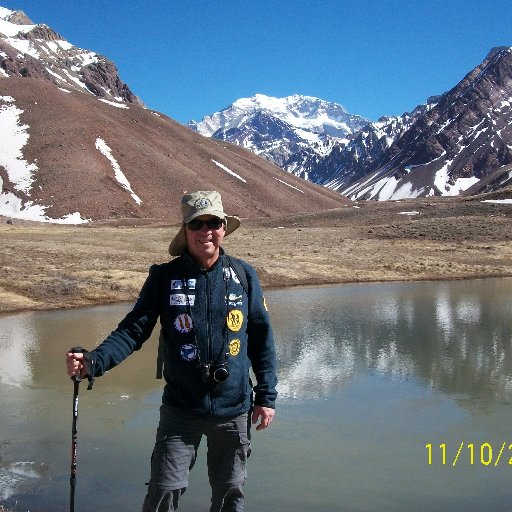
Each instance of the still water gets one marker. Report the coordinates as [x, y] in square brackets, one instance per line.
[393, 397]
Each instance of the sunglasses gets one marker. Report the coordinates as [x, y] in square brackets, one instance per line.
[196, 224]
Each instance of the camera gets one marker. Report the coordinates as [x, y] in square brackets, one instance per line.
[220, 372]
[216, 372]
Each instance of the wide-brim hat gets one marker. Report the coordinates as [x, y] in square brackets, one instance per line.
[194, 205]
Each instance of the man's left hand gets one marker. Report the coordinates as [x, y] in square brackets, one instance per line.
[265, 413]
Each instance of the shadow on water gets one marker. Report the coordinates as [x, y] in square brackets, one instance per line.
[393, 397]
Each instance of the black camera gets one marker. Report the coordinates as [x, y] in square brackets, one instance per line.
[220, 372]
[216, 372]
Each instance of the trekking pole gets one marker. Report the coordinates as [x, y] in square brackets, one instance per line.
[72, 481]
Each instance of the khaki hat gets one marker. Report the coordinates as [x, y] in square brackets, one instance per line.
[194, 205]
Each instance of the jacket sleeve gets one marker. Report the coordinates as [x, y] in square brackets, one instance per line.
[261, 347]
[134, 329]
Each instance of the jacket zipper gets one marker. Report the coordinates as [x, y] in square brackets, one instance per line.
[208, 338]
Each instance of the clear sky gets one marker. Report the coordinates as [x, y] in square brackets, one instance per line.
[190, 58]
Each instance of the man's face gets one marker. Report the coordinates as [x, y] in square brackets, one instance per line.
[204, 243]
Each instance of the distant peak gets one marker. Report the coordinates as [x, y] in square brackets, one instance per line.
[15, 17]
[498, 49]
[264, 102]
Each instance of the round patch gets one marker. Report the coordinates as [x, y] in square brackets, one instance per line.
[202, 203]
[235, 320]
[183, 323]
[188, 352]
[234, 347]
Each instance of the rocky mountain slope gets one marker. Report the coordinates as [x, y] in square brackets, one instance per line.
[444, 147]
[77, 145]
[279, 128]
[453, 145]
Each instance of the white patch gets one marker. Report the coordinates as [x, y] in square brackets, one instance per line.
[180, 299]
[229, 273]
[179, 284]
[229, 171]
[498, 201]
[114, 104]
[234, 299]
[105, 150]
[183, 323]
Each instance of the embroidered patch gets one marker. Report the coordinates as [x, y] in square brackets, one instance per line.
[180, 284]
[202, 203]
[235, 320]
[180, 299]
[234, 299]
[229, 273]
[234, 347]
[183, 323]
[188, 352]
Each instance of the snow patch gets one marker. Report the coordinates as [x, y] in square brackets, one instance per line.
[24, 46]
[104, 149]
[229, 171]
[288, 185]
[12, 206]
[13, 137]
[114, 104]
[77, 81]
[447, 189]
[498, 201]
[11, 29]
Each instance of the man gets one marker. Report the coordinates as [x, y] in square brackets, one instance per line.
[214, 327]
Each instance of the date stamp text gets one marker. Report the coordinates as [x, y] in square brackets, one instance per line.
[485, 454]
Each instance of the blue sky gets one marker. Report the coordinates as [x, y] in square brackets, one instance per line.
[190, 58]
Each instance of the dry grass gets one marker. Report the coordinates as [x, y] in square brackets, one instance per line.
[50, 266]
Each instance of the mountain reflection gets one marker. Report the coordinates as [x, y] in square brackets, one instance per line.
[452, 337]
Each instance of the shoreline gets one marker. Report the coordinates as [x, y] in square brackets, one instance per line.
[48, 266]
[291, 287]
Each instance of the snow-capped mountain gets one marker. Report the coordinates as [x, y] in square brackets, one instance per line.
[277, 128]
[37, 51]
[77, 145]
[348, 161]
[452, 146]
[444, 147]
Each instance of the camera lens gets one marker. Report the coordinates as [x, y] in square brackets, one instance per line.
[221, 373]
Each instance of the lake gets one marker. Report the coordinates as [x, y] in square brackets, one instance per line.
[393, 397]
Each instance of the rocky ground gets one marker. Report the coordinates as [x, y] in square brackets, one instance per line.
[52, 266]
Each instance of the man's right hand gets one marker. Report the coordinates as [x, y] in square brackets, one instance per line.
[74, 364]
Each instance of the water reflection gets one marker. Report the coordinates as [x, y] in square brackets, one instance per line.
[18, 342]
[421, 359]
[453, 337]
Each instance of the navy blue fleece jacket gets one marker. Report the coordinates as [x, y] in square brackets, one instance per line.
[205, 317]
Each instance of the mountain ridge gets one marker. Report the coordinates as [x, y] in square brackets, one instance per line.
[79, 146]
[433, 150]
[277, 128]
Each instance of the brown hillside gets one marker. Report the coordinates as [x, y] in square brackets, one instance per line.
[159, 157]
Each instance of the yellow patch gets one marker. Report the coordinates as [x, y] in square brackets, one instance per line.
[234, 347]
[265, 304]
[235, 319]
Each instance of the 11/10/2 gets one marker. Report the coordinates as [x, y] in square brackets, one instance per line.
[472, 453]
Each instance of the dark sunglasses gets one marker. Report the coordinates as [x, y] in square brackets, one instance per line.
[196, 224]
